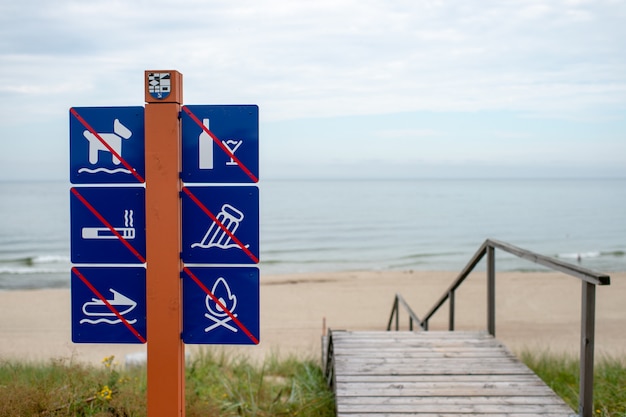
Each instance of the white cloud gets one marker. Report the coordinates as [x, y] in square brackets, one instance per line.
[328, 58]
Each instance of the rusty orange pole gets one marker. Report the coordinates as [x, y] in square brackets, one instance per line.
[166, 353]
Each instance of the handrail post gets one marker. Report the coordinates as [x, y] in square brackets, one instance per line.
[397, 314]
[451, 314]
[491, 290]
[394, 310]
[585, 405]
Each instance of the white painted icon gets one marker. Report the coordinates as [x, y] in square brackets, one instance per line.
[217, 314]
[127, 232]
[205, 151]
[232, 146]
[113, 140]
[216, 237]
[100, 311]
[205, 148]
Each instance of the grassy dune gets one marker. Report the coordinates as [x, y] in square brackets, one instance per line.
[218, 384]
[561, 373]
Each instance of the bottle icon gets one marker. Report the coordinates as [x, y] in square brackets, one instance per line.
[205, 151]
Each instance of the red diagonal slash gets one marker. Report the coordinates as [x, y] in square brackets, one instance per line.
[221, 226]
[93, 210]
[109, 306]
[220, 305]
[230, 154]
[109, 148]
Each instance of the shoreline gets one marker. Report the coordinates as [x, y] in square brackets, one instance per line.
[296, 308]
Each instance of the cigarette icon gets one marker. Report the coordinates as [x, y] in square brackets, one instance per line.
[106, 233]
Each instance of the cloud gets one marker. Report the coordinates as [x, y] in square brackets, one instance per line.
[328, 58]
[299, 61]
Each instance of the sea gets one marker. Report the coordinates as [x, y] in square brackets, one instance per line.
[343, 225]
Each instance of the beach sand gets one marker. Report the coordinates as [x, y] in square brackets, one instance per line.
[534, 311]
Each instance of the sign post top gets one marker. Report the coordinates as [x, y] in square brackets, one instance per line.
[163, 86]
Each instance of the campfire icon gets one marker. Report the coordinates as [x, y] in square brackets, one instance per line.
[217, 314]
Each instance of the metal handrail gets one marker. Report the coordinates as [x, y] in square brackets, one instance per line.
[589, 280]
[395, 313]
[329, 360]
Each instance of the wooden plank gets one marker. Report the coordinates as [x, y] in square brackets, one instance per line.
[417, 414]
[403, 350]
[441, 389]
[430, 362]
[536, 405]
[478, 409]
[452, 405]
[393, 370]
[417, 338]
[451, 379]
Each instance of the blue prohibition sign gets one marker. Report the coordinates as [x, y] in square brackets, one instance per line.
[229, 153]
[205, 321]
[220, 225]
[123, 320]
[108, 225]
[107, 145]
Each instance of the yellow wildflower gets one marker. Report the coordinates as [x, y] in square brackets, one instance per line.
[105, 393]
[108, 361]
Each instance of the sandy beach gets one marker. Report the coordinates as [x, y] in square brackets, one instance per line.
[534, 311]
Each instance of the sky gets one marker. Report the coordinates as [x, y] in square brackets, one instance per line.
[345, 88]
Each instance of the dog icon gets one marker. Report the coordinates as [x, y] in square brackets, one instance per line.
[113, 140]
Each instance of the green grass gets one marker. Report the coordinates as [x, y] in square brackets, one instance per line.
[217, 384]
[221, 384]
[561, 373]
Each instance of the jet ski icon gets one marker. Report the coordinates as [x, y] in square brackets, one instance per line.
[97, 308]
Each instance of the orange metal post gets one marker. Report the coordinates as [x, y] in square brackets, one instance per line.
[166, 353]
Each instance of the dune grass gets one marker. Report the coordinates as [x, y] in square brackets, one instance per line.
[561, 373]
[217, 384]
[221, 384]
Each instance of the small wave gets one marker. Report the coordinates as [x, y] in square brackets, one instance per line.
[16, 270]
[49, 259]
[36, 260]
[579, 255]
[429, 255]
[107, 321]
[108, 171]
[616, 253]
[309, 249]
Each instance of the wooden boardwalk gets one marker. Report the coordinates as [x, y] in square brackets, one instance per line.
[434, 374]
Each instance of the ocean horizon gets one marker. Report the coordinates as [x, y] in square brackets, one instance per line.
[370, 224]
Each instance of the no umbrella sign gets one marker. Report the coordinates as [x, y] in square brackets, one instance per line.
[220, 225]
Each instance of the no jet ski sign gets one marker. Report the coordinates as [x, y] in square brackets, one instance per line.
[108, 305]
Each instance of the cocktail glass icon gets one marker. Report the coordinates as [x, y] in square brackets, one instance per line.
[232, 146]
[217, 313]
